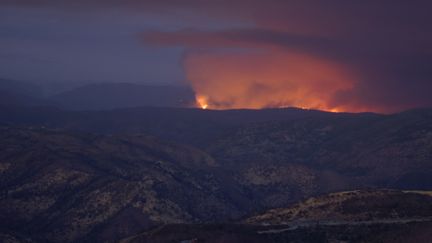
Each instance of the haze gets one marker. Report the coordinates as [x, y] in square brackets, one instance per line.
[335, 55]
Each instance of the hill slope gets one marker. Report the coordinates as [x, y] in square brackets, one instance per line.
[61, 186]
[121, 95]
[63, 183]
[354, 206]
[354, 216]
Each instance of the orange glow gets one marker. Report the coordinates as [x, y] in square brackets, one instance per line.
[277, 78]
[202, 102]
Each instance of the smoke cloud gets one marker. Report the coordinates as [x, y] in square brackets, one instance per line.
[335, 55]
[263, 80]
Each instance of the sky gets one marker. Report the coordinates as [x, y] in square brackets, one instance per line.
[333, 55]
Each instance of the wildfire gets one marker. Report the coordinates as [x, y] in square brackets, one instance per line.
[202, 102]
[266, 80]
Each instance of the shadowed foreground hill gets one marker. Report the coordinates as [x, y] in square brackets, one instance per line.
[353, 216]
[354, 206]
[98, 175]
[64, 186]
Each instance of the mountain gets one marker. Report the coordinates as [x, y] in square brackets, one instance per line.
[106, 175]
[99, 96]
[234, 233]
[365, 206]
[351, 216]
[184, 125]
[334, 153]
[20, 87]
[16, 99]
[62, 186]
[277, 156]
[105, 96]
[18, 93]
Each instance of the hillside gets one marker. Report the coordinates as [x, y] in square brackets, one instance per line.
[94, 175]
[61, 186]
[276, 155]
[353, 206]
[95, 96]
[375, 233]
[107, 96]
[20, 87]
[184, 125]
[352, 216]
[17, 93]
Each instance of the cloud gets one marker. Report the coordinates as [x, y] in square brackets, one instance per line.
[385, 47]
[359, 55]
[249, 68]
[265, 79]
[376, 76]
[241, 38]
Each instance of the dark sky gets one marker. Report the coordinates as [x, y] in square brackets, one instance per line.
[335, 55]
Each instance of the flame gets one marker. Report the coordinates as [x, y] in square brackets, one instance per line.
[202, 101]
[269, 80]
